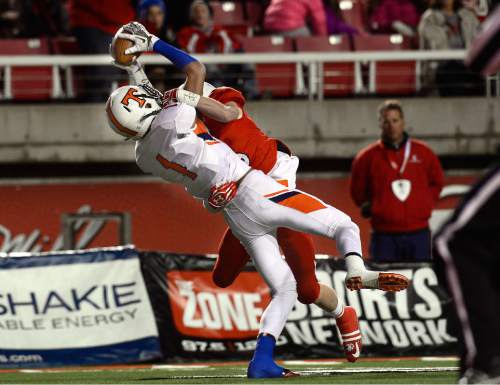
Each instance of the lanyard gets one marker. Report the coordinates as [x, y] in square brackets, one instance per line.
[394, 165]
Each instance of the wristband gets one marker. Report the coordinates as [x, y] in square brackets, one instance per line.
[188, 97]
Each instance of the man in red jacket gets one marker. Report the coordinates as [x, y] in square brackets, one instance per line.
[396, 181]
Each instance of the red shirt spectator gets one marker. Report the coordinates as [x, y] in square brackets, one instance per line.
[397, 181]
[283, 16]
[106, 15]
[202, 35]
[373, 174]
[217, 39]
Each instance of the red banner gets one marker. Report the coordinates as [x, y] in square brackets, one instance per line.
[201, 309]
[164, 216]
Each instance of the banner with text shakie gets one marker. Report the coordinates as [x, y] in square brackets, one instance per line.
[198, 320]
[74, 308]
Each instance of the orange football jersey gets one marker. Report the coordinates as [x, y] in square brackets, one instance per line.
[243, 135]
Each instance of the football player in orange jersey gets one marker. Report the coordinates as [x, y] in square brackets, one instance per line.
[260, 206]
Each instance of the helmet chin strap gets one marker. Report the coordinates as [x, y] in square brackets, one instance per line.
[155, 112]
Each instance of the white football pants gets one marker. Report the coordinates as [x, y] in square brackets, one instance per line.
[259, 208]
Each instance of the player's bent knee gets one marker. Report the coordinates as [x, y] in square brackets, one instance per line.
[308, 293]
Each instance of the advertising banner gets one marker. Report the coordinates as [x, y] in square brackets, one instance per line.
[198, 320]
[163, 215]
[73, 308]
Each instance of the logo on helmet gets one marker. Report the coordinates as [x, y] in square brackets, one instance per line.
[131, 95]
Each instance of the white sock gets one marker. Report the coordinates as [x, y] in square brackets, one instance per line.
[339, 310]
[354, 263]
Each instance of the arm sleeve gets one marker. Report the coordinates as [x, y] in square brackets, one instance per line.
[318, 17]
[228, 94]
[359, 179]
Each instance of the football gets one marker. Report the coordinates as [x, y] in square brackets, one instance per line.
[118, 51]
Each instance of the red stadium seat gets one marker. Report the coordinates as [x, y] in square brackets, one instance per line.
[230, 14]
[275, 79]
[338, 78]
[239, 30]
[391, 77]
[227, 13]
[353, 13]
[27, 83]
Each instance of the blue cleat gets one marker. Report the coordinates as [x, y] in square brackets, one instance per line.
[263, 365]
[264, 368]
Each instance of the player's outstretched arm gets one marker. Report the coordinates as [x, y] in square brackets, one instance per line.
[145, 41]
[216, 110]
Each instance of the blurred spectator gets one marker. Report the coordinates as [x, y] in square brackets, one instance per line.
[202, 36]
[44, 18]
[94, 23]
[295, 18]
[449, 25]
[396, 182]
[335, 24]
[152, 14]
[10, 19]
[393, 16]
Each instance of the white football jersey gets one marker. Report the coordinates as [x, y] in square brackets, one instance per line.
[172, 151]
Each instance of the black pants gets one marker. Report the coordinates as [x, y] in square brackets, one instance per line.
[467, 253]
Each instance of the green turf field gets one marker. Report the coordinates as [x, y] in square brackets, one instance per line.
[325, 372]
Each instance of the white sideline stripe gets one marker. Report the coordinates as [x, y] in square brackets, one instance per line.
[326, 372]
[309, 363]
[182, 367]
[437, 358]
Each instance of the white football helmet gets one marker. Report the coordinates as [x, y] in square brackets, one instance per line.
[131, 110]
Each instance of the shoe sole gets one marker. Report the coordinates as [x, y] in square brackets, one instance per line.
[385, 282]
[288, 373]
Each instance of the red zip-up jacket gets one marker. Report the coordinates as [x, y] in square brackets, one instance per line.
[371, 181]
[105, 15]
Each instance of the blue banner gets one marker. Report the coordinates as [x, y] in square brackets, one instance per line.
[74, 308]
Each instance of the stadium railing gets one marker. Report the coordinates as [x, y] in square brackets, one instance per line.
[313, 61]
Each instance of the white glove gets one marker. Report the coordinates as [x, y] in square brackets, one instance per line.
[138, 34]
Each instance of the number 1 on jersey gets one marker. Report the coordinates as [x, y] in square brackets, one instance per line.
[176, 167]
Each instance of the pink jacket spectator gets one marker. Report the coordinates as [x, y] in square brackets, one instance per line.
[287, 15]
[389, 11]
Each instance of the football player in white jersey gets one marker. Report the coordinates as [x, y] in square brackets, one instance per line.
[172, 144]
